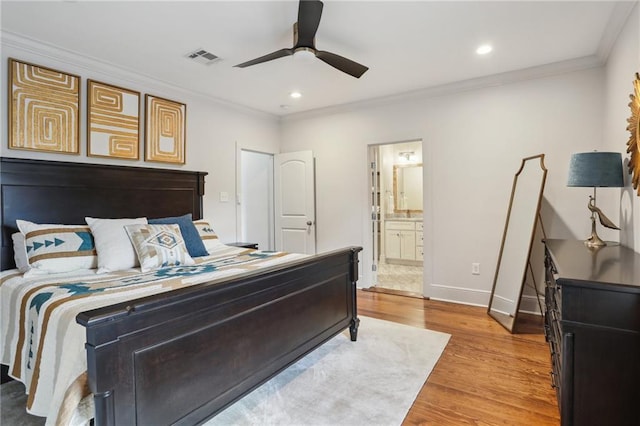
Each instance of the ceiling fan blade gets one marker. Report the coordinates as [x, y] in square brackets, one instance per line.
[271, 56]
[309, 13]
[343, 64]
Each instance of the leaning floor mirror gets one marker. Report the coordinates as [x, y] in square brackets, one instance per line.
[517, 241]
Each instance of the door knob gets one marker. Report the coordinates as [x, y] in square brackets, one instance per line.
[309, 223]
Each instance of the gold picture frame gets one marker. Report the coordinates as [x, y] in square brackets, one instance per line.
[113, 121]
[43, 109]
[633, 145]
[165, 130]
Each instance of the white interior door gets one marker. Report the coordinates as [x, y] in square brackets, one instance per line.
[295, 205]
[255, 199]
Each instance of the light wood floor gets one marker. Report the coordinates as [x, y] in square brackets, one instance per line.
[486, 376]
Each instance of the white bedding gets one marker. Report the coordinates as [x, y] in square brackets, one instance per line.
[43, 345]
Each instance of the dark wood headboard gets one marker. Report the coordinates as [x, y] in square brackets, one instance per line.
[64, 193]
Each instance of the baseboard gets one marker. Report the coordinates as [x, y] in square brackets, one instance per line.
[375, 289]
[475, 297]
[465, 296]
[529, 304]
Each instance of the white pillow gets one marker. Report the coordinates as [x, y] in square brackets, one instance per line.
[57, 248]
[20, 252]
[159, 246]
[208, 235]
[115, 251]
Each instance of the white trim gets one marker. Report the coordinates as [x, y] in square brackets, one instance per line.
[617, 20]
[475, 297]
[366, 260]
[238, 194]
[238, 190]
[532, 73]
[93, 65]
[529, 304]
[465, 296]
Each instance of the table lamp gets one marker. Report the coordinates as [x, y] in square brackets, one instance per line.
[596, 169]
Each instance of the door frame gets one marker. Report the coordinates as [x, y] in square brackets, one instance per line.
[238, 193]
[428, 230]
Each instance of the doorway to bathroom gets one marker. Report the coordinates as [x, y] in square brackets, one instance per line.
[396, 181]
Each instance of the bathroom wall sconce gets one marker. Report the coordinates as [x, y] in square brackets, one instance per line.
[406, 155]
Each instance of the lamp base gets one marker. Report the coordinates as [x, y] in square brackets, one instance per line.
[594, 240]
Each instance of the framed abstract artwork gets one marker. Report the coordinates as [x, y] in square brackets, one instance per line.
[165, 130]
[113, 121]
[43, 109]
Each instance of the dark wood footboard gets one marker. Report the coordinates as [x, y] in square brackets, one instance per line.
[181, 357]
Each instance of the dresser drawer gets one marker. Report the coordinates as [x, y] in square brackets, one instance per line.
[605, 307]
[400, 225]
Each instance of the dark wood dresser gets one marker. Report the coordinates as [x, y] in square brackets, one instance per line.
[592, 324]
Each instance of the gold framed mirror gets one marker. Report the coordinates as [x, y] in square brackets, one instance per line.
[517, 241]
[633, 145]
[407, 188]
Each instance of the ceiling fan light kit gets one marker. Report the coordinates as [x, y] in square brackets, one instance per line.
[304, 43]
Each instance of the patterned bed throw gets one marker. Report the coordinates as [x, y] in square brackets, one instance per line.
[44, 346]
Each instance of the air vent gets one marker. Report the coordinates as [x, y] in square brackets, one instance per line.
[203, 57]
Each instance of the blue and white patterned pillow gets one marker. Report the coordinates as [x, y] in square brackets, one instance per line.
[58, 248]
[158, 246]
[192, 239]
[208, 235]
[20, 252]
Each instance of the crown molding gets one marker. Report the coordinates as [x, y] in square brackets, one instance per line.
[532, 73]
[621, 13]
[619, 17]
[93, 65]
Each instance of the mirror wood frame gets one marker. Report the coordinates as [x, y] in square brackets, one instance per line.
[396, 202]
[508, 320]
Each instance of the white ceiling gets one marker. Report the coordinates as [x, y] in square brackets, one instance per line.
[408, 46]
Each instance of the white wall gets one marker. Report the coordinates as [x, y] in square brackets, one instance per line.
[473, 143]
[623, 63]
[213, 128]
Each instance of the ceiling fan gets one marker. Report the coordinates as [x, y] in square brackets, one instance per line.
[304, 33]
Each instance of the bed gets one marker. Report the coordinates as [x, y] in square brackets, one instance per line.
[181, 356]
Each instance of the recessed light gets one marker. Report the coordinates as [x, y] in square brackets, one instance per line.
[484, 49]
[295, 95]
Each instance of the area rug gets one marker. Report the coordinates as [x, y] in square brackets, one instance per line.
[373, 381]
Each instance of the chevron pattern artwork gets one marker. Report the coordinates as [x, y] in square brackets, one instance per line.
[43, 109]
[165, 130]
[113, 121]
